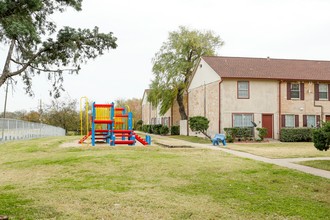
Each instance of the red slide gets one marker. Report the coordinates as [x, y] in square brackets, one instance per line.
[141, 140]
[85, 137]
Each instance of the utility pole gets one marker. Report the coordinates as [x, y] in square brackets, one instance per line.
[5, 106]
[40, 111]
[4, 111]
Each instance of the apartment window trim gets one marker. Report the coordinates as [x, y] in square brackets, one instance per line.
[326, 92]
[309, 118]
[291, 119]
[239, 96]
[248, 124]
[296, 91]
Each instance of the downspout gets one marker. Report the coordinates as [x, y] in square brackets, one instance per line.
[204, 100]
[320, 106]
[279, 109]
[220, 105]
[187, 113]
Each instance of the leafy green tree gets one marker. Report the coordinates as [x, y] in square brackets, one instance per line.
[200, 124]
[32, 116]
[35, 46]
[174, 63]
[321, 137]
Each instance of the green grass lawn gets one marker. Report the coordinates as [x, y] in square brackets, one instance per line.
[193, 139]
[42, 180]
[320, 164]
[280, 149]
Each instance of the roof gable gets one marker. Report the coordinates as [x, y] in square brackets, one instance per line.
[266, 68]
[203, 74]
[145, 96]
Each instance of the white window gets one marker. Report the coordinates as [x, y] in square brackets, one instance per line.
[243, 90]
[289, 121]
[323, 91]
[311, 121]
[295, 91]
[242, 120]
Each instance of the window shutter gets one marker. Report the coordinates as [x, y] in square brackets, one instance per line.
[302, 91]
[296, 121]
[288, 91]
[329, 92]
[318, 119]
[316, 91]
[304, 120]
[283, 121]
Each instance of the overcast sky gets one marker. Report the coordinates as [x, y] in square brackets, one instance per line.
[289, 29]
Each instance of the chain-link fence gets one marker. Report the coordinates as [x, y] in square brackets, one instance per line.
[12, 129]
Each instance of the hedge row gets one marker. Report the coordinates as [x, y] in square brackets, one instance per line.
[239, 133]
[160, 129]
[296, 134]
[175, 130]
[155, 129]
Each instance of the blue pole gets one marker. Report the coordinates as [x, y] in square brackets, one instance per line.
[130, 126]
[93, 124]
[109, 128]
[130, 121]
[124, 124]
[112, 125]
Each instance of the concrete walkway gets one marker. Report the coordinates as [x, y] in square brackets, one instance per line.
[287, 162]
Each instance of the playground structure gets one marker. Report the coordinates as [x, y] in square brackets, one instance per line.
[110, 125]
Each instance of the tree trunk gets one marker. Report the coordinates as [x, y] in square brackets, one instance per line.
[208, 136]
[5, 71]
[179, 99]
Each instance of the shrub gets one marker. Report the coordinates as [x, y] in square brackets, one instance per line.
[139, 124]
[262, 133]
[296, 134]
[199, 123]
[240, 133]
[156, 128]
[164, 130]
[321, 137]
[229, 138]
[231, 132]
[245, 133]
[71, 133]
[146, 128]
[175, 130]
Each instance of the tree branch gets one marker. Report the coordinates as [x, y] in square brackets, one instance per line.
[52, 71]
[26, 65]
[44, 70]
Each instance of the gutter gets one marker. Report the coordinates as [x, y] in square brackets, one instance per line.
[279, 110]
[187, 112]
[320, 106]
[220, 105]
